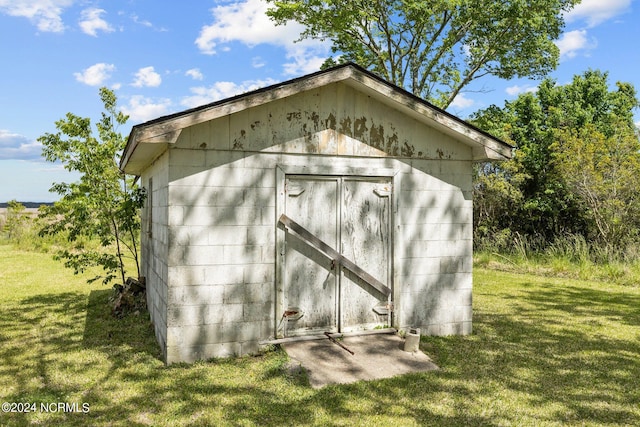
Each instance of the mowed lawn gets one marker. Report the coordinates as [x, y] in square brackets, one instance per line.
[544, 351]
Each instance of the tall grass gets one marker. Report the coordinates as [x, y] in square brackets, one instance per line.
[24, 234]
[565, 256]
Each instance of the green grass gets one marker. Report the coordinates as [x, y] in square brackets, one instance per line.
[616, 271]
[545, 351]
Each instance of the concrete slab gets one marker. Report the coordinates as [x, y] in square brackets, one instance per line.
[375, 357]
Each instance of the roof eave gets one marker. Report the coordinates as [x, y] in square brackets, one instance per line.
[166, 130]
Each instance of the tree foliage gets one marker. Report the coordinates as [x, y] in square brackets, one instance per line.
[576, 169]
[103, 205]
[604, 174]
[435, 48]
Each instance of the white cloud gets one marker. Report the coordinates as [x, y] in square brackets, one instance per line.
[91, 22]
[45, 14]
[96, 74]
[143, 22]
[147, 77]
[230, 24]
[517, 90]
[595, 12]
[14, 146]
[142, 109]
[305, 58]
[257, 62]
[461, 102]
[195, 74]
[221, 90]
[574, 41]
[146, 23]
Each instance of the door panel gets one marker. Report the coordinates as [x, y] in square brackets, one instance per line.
[365, 241]
[310, 282]
[352, 215]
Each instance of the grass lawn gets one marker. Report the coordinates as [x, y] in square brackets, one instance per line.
[544, 351]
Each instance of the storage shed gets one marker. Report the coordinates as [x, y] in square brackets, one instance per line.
[333, 202]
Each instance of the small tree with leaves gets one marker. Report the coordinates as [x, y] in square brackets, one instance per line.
[103, 205]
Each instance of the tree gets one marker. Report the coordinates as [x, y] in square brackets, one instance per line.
[604, 173]
[103, 204]
[435, 48]
[582, 129]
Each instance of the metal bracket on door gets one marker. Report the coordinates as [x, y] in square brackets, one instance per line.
[336, 257]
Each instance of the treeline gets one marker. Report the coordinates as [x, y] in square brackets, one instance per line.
[575, 174]
[27, 205]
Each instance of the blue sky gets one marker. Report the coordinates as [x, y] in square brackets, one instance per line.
[162, 57]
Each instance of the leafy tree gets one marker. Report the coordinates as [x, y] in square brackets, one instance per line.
[435, 48]
[562, 132]
[102, 206]
[604, 173]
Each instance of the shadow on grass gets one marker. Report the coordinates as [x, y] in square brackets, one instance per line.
[132, 334]
[537, 363]
[263, 390]
[540, 354]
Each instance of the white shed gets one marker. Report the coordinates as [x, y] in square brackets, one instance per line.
[333, 202]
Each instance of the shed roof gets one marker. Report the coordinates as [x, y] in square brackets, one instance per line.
[148, 140]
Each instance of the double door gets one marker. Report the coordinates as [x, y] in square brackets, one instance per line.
[351, 215]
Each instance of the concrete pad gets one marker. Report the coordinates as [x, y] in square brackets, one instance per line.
[375, 356]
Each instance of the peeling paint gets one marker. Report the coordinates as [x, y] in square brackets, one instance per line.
[360, 127]
[392, 142]
[345, 126]
[238, 143]
[315, 118]
[376, 136]
[295, 115]
[407, 149]
[330, 122]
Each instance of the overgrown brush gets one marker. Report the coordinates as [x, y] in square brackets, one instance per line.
[569, 255]
[21, 228]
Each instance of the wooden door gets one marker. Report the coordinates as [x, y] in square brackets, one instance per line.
[310, 283]
[365, 232]
[351, 215]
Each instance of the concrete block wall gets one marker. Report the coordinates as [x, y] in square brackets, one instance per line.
[434, 248]
[222, 216]
[155, 243]
[222, 254]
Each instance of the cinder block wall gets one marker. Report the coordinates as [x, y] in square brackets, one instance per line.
[221, 295]
[221, 216]
[155, 244]
[434, 248]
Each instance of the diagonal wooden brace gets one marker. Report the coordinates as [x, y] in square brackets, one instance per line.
[334, 255]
